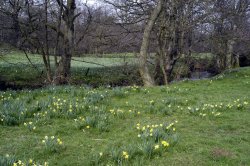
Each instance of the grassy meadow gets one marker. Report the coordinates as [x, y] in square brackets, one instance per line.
[202, 122]
[18, 72]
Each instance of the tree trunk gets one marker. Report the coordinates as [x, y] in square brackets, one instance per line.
[49, 77]
[17, 30]
[158, 72]
[58, 29]
[143, 67]
[175, 42]
[63, 71]
[230, 54]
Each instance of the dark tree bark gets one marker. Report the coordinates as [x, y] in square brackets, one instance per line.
[47, 54]
[63, 70]
[170, 38]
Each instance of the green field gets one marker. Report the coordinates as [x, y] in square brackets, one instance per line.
[16, 70]
[89, 70]
[187, 123]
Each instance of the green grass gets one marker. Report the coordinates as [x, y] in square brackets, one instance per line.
[216, 135]
[16, 70]
[17, 57]
[92, 70]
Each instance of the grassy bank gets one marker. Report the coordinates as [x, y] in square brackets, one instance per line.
[188, 123]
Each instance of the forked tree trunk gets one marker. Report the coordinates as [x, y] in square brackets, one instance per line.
[170, 42]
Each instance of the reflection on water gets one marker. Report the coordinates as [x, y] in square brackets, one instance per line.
[200, 75]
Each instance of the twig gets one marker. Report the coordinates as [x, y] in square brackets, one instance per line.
[88, 62]
[34, 66]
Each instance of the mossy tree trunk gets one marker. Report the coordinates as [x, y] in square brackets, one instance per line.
[170, 39]
[68, 17]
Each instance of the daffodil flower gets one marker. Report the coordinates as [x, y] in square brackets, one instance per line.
[157, 147]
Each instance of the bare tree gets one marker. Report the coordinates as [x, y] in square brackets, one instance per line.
[229, 22]
[12, 8]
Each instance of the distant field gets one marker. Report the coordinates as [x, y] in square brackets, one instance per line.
[110, 60]
[16, 69]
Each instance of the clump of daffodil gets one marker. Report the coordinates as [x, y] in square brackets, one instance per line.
[153, 136]
[30, 125]
[125, 155]
[119, 113]
[216, 109]
[52, 143]
[30, 162]
[80, 122]
[165, 143]
[152, 102]
[156, 146]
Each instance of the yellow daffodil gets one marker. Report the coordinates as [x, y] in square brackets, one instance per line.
[124, 153]
[126, 156]
[218, 114]
[157, 147]
[165, 143]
